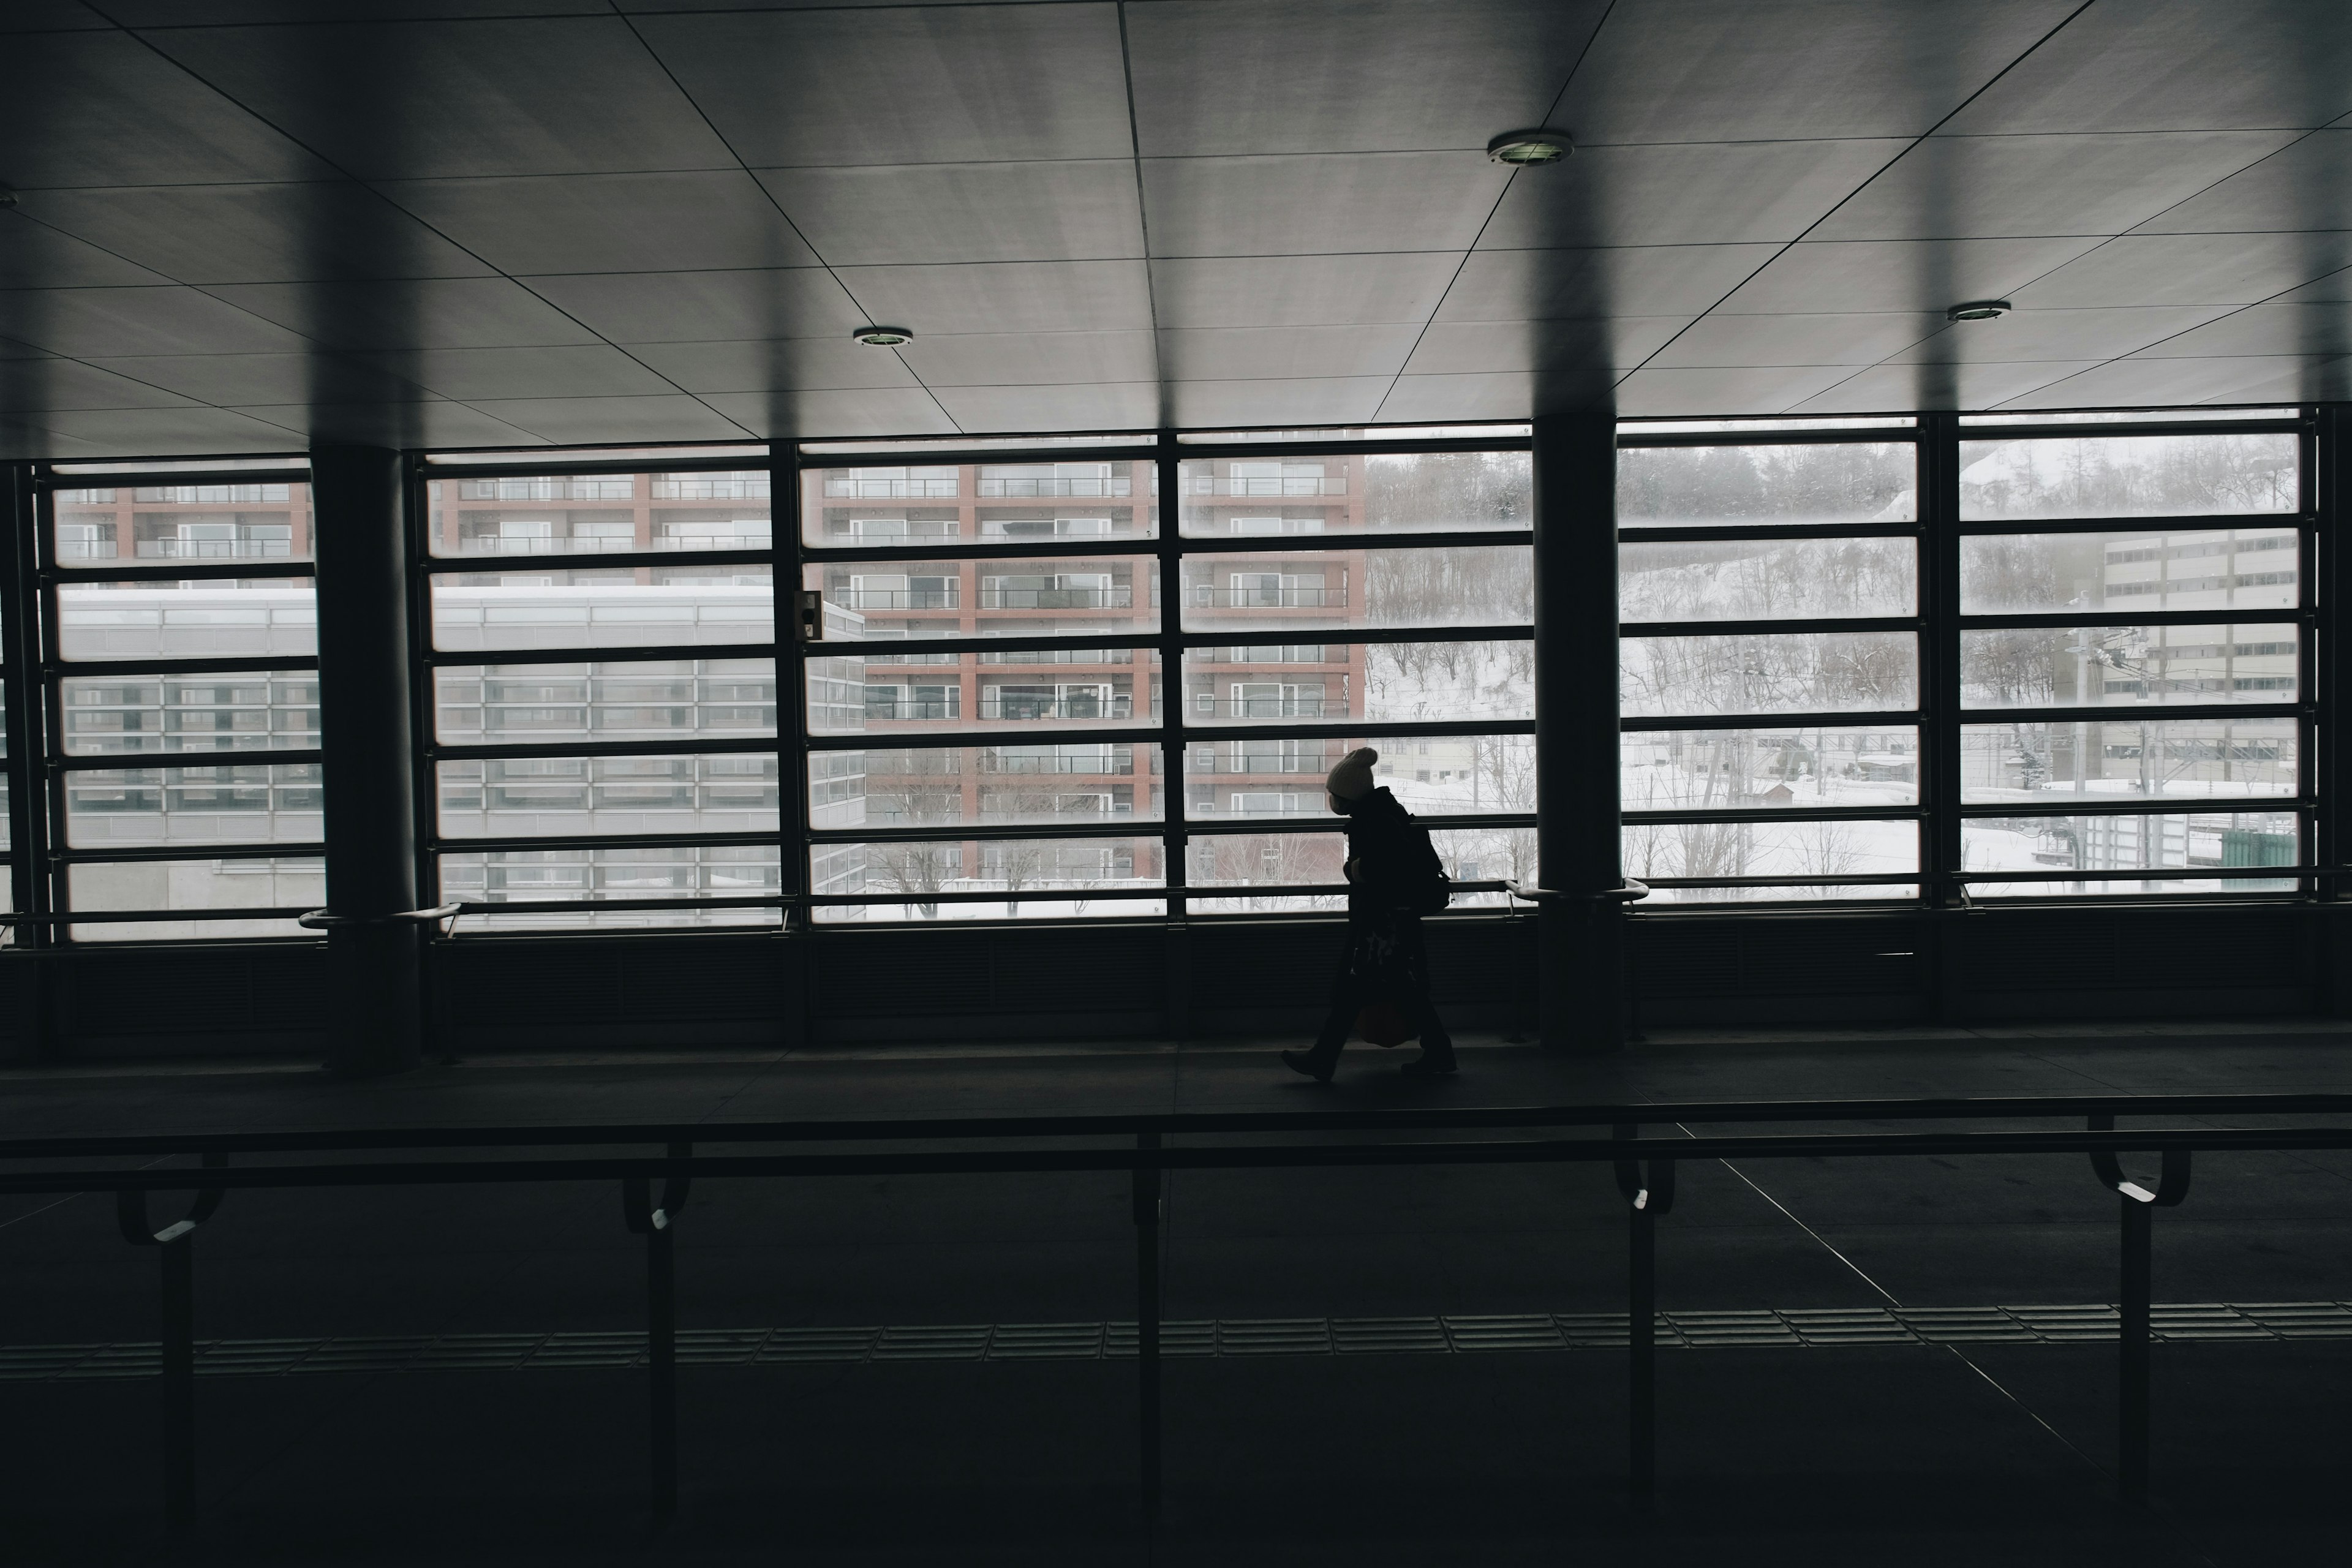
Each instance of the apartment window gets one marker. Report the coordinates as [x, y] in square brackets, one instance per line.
[603, 751]
[181, 687]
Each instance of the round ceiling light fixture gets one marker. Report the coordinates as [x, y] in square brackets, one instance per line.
[1529, 147]
[1978, 310]
[884, 337]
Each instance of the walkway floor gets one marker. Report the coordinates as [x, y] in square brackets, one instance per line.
[1960, 1453]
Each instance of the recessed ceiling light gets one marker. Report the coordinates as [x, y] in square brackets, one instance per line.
[1530, 147]
[1978, 310]
[882, 337]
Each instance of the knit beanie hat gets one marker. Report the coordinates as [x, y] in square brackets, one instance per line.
[1352, 779]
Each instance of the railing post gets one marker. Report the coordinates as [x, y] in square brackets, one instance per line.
[659, 1226]
[1147, 1320]
[2140, 1207]
[176, 1245]
[1645, 1200]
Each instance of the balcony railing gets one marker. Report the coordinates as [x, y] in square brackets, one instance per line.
[1109, 762]
[1055, 598]
[1115, 485]
[206, 549]
[1306, 707]
[1268, 486]
[586, 545]
[1022, 709]
[1286, 599]
[891, 489]
[899, 598]
[913, 708]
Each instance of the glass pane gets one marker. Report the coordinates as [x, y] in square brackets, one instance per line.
[2104, 845]
[1276, 858]
[583, 608]
[922, 505]
[234, 803]
[1715, 770]
[2128, 475]
[1257, 776]
[599, 514]
[268, 522]
[1754, 580]
[164, 886]
[1796, 672]
[1763, 848]
[2041, 667]
[588, 875]
[520, 796]
[2207, 569]
[1309, 593]
[493, 704]
[2134, 759]
[2131, 417]
[953, 785]
[1066, 870]
[1875, 482]
[145, 714]
[1029, 597]
[1270, 683]
[1249, 498]
[216, 619]
[877, 690]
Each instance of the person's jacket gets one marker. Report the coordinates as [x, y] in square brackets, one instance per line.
[1384, 842]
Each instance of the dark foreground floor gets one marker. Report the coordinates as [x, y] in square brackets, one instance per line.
[1968, 1453]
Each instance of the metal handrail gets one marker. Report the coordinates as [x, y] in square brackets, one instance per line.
[322, 920]
[1626, 892]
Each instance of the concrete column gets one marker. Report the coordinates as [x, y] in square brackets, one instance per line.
[364, 717]
[1582, 989]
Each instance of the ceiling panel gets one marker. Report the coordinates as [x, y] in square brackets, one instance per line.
[1786, 339]
[2161, 383]
[1972, 187]
[187, 13]
[1118, 407]
[35, 255]
[2318, 331]
[739, 365]
[1726, 70]
[136, 432]
[256, 234]
[47, 384]
[101, 322]
[1244, 353]
[928, 85]
[411, 314]
[1309, 203]
[1336, 400]
[1711, 194]
[2306, 185]
[964, 211]
[436, 422]
[2178, 64]
[1300, 291]
[1028, 359]
[2297, 381]
[806, 416]
[2028, 335]
[238, 380]
[590, 421]
[1494, 394]
[102, 109]
[1634, 280]
[1007, 296]
[1613, 344]
[2335, 286]
[1818, 275]
[1899, 388]
[45, 16]
[586, 371]
[610, 223]
[2188, 269]
[704, 306]
[1228, 77]
[394, 101]
[1773, 389]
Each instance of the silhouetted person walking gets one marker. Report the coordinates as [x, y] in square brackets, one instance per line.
[1394, 878]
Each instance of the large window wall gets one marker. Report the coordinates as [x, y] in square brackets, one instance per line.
[1981, 657]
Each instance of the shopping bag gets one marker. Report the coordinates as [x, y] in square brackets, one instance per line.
[1383, 1024]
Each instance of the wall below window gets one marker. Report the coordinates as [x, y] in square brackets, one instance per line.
[1256, 979]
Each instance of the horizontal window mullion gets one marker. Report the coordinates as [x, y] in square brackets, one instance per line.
[1876, 719]
[1728, 532]
[945, 550]
[46, 478]
[445, 846]
[553, 560]
[1218, 826]
[662, 652]
[2120, 713]
[1040, 895]
[121, 761]
[2139, 805]
[1873, 436]
[2062, 620]
[437, 466]
[2025, 429]
[1142, 450]
[925, 740]
[985, 832]
[1351, 541]
[1338, 635]
[1890, 813]
[568, 906]
[1772, 625]
[117, 853]
[1340, 729]
[685, 745]
[132, 917]
[2202, 523]
[1367, 447]
[258, 664]
[2151, 874]
[134, 570]
[1857, 880]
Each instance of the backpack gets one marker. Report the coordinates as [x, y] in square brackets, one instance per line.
[1435, 889]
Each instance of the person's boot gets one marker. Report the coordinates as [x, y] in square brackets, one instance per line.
[1436, 1061]
[1316, 1064]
